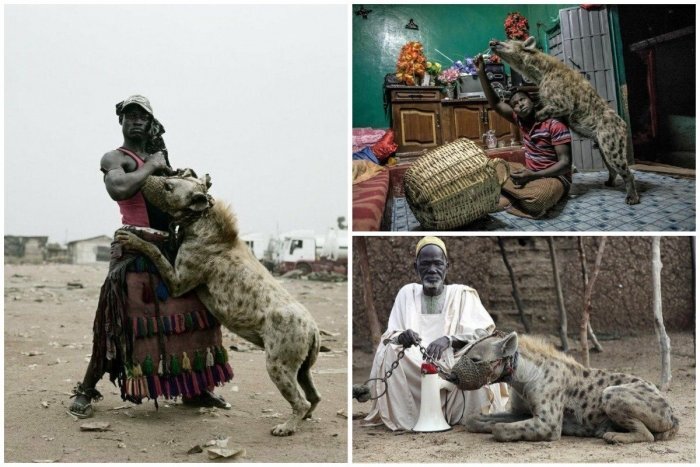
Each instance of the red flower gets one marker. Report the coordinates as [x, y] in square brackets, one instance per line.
[516, 26]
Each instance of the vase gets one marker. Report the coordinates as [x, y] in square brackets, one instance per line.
[450, 91]
[426, 80]
[432, 80]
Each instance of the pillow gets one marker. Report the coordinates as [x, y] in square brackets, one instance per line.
[385, 147]
[364, 170]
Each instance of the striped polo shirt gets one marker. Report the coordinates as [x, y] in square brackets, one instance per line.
[539, 141]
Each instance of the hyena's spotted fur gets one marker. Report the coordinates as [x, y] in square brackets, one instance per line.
[565, 93]
[235, 287]
[553, 395]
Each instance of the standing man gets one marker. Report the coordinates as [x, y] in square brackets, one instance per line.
[546, 177]
[154, 345]
[443, 316]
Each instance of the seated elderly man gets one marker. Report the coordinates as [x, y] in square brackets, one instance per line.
[443, 316]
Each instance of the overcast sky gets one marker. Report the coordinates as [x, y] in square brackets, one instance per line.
[256, 96]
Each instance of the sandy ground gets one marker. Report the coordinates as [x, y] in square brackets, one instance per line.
[48, 340]
[638, 355]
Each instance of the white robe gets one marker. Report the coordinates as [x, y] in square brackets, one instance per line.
[462, 314]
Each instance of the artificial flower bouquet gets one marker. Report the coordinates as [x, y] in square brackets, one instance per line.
[516, 26]
[411, 65]
[449, 76]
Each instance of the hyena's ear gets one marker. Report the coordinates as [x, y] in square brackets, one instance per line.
[509, 344]
[207, 180]
[199, 202]
[530, 43]
[479, 333]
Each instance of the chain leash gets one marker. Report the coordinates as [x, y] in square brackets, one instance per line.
[395, 364]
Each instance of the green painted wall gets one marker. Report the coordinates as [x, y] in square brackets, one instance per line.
[542, 18]
[455, 30]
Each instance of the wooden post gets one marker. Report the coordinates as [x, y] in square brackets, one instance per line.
[516, 294]
[584, 273]
[587, 302]
[692, 257]
[560, 296]
[375, 331]
[664, 341]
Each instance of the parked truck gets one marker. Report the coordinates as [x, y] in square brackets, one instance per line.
[265, 247]
[307, 252]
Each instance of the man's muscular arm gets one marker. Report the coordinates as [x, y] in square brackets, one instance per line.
[121, 184]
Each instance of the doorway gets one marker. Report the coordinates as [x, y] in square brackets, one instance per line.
[658, 48]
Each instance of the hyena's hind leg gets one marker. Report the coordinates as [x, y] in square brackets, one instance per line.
[304, 376]
[646, 416]
[612, 141]
[284, 377]
[612, 173]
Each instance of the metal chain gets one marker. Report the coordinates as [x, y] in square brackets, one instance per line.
[395, 365]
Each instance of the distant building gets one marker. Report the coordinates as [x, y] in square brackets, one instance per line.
[55, 253]
[89, 250]
[22, 249]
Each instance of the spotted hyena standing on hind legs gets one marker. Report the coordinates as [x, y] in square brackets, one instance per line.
[235, 287]
[553, 395]
[565, 93]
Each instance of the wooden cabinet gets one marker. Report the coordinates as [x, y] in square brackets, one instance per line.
[464, 121]
[468, 118]
[505, 131]
[421, 120]
[415, 113]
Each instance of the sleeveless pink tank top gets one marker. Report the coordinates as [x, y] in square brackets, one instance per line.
[133, 210]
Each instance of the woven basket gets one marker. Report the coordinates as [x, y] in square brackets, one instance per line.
[453, 185]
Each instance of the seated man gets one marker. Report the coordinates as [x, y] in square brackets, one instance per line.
[546, 177]
[445, 316]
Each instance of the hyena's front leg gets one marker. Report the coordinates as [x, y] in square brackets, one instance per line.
[545, 425]
[485, 423]
[177, 284]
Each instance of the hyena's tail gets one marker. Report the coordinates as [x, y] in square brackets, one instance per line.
[304, 375]
[664, 435]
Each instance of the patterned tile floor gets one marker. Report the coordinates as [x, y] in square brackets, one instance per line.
[667, 204]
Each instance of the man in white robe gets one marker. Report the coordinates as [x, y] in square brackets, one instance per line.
[445, 316]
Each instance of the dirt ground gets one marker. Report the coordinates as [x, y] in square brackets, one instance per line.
[48, 339]
[638, 355]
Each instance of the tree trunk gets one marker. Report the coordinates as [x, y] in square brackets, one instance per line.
[560, 296]
[664, 341]
[692, 251]
[587, 300]
[516, 294]
[375, 331]
[584, 273]
[596, 345]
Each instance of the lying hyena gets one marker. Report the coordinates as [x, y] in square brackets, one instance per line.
[565, 93]
[235, 287]
[553, 395]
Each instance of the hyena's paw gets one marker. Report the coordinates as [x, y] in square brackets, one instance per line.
[284, 429]
[478, 424]
[612, 437]
[632, 198]
[128, 239]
